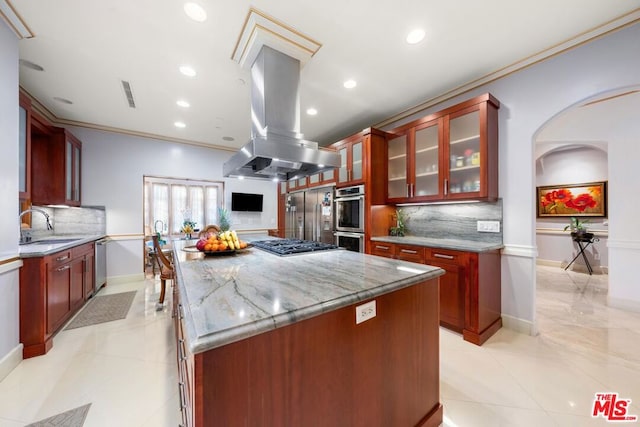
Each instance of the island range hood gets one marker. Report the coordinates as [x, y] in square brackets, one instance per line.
[277, 149]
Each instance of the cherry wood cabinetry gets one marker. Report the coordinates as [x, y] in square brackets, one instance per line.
[448, 155]
[24, 148]
[56, 178]
[321, 178]
[325, 370]
[470, 293]
[52, 289]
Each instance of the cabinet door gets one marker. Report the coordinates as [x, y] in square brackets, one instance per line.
[398, 185]
[426, 157]
[343, 170]
[24, 150]
[464, 153]
[452, 296]
[89, 274]
[72, 172]
[58, 281]
[76, 288]
[357, 164]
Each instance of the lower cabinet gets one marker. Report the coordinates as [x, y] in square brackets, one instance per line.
[322, 371]
[470, 293]
[52, 289]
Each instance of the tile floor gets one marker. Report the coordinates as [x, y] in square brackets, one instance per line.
[126, 368]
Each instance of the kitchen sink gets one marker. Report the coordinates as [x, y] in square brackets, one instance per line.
[50, 241]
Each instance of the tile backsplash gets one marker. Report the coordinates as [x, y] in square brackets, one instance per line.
[453, 221]
[84, 221]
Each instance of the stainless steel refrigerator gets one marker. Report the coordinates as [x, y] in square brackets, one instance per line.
[310, 215]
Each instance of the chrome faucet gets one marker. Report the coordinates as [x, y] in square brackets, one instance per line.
[24, 239]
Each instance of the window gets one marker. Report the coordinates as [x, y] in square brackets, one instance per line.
[169, 202]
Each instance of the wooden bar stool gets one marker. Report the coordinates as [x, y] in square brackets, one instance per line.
[167, 271]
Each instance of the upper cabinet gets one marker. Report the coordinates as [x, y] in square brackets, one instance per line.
[56, 159]
[364, 161]
[24, 149]
[449, 155]
[351, 161]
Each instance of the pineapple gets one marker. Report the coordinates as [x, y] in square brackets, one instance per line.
[223, 219]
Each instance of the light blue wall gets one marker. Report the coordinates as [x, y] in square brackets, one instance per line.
[9, 231]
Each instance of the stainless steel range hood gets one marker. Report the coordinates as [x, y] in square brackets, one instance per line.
[277, 149]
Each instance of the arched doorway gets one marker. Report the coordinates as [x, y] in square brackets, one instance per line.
[585, 136]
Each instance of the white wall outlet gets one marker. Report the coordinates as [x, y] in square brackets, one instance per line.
[488, 226]
[365, 311]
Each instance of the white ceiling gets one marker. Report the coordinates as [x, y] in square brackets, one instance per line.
[87, 47]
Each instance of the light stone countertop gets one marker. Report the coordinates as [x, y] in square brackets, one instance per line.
[51, 244]
[227, 298]
[454, 244]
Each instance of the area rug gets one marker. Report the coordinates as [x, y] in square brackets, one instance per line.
[104, 308]
[71, 418]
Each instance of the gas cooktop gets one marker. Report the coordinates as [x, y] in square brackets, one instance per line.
[283, 247]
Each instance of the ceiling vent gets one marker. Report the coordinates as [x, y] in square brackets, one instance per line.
[128, 93]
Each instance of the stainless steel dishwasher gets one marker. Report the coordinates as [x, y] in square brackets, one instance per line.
[101, 264]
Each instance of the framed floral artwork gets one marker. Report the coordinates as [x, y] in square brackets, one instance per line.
[589, 199]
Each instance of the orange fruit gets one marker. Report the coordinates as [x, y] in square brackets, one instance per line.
[223, 246]
[215, 247]
[207, 247]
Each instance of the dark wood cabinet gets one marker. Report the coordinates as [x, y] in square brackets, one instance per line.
[266, 378]
[52, 289]
[448, 155]
[452, 286]
[55, 172]
[470, 290]
[24, 148]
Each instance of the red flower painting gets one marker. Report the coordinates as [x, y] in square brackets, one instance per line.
[570, 200]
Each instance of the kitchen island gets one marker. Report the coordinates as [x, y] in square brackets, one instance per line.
[273, 341]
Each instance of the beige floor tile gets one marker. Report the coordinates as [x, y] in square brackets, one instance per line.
[472, 414]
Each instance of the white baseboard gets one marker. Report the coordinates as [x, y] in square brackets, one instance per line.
[10, 361]
[519, 325]
[624, 304]
[600, 269]
[115, 280]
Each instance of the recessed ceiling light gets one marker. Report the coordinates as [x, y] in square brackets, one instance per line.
[62, 100]
[32, 65]
[195, 12]
[228, 138]
[182, 103]
[180, 125]
[187, 71]
[312, 111]
[350, 84]
[415, 36]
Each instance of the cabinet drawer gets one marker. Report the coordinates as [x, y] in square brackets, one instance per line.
[410, 253]
[59, 258]
[82, 249]
[383, 249]
[444, 255]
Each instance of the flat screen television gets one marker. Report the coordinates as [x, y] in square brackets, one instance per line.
[246, 202]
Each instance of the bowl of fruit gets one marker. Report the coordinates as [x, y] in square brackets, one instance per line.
[224, 242]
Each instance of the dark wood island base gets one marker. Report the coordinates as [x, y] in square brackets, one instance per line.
[324, 371]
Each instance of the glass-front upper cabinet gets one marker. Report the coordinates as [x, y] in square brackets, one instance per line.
[24, 149]
[464, 153]
[397, 186]
[426, 155]
[351, 168]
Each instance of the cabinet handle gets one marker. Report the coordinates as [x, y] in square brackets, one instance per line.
[62, 258]
[63, 268]
[408, 251]
[443, 256]
[183, 401]
[180, 312]
[408, 190]
[446, 186]
[413, 190]
[386, 248]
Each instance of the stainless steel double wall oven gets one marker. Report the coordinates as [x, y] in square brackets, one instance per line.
[350, 211]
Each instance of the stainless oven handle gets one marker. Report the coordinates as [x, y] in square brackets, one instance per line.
[347, 234]
[349, 198]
